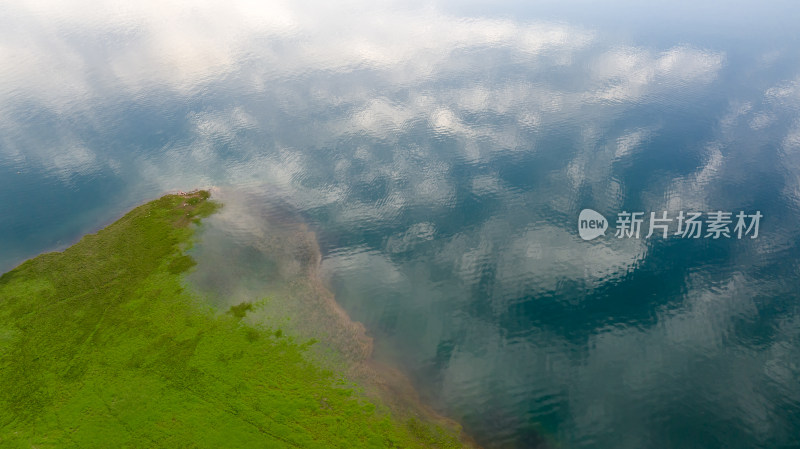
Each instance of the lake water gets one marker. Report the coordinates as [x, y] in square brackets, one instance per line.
[442, 153]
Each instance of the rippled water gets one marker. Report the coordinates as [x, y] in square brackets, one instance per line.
[442, 153]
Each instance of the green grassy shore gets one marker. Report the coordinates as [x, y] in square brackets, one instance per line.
[101, 346]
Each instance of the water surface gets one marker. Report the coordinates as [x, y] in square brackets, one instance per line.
[442, 152]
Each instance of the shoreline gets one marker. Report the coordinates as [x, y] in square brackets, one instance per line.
[306, 300]
[380, 380]
[60, 247]
[139, 360]
[393, 386]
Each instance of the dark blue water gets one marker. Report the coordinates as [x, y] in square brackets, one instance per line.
[442, 153]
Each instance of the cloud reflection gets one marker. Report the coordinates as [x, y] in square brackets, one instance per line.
[445, 159]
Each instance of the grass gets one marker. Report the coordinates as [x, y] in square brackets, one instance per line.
[101, 346]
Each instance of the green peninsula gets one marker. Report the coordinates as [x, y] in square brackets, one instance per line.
[101, 346]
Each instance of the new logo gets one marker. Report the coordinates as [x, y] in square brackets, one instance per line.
[591, 224]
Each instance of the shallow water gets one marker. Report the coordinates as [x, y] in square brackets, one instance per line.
[442, 154]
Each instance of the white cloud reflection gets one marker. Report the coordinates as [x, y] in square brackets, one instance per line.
[628, 74]
[139, 45]
[72, 56]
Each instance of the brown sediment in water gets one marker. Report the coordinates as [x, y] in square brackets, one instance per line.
[313, 308]
[350, 339]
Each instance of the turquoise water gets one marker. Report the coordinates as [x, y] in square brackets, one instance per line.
[442, 153]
